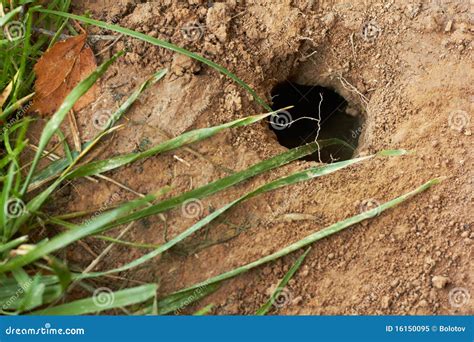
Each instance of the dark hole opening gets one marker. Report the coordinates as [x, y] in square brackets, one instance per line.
[293, 129]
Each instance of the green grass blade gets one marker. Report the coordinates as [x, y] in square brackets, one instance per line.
[9, 286]
[94, 304]
[49, 172]
[101, 166]
[61, 270]
[4, 201]
[33, 296]
[163, 44]
[267, 306]
[5, 19]
[175, 303]
[204, 311]
[64, 239]
[132, 98]
[51, 127]
[12, 244]
[332, 229]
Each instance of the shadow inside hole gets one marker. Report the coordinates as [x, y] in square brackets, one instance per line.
[335, 122]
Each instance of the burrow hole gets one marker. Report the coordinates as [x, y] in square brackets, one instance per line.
[338, 120]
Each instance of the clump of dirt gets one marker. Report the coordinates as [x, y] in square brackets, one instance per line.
[404, 68]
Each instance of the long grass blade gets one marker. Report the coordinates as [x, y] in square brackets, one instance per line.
[174, 304]
[9, 16]
[110, 300]
[163, 44]
[291, 272]
[330, 230]
[72, 235]
[101, 166]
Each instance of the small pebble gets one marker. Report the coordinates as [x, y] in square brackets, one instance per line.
[439, 282]
[385, 302]
[448, 26]
[423, 303]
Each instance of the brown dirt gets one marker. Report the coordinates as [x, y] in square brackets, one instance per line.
[415, 71]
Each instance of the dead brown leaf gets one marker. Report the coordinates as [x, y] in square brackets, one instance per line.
[59, 70]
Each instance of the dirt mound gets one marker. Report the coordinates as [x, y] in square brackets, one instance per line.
[404, 68]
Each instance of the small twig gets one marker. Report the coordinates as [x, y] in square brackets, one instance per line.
[350, 87]
[53, 157]
[87, 248]
[76, 23]
[123, 186]
[93, 37]
[94, 263]
[181, 160]
[165, 229]
[352, 45]
[76, 137]
[108, 47]
[197, 154]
